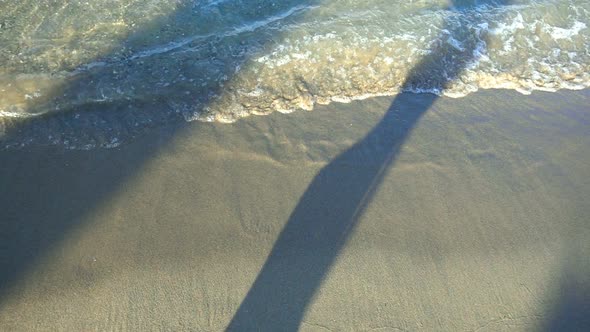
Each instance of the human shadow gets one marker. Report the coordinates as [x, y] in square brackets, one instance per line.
[569, 301]
[39, 210]
[329, 210]
[570, 313]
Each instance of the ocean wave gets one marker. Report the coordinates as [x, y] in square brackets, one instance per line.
[508, 48]
[293, 58]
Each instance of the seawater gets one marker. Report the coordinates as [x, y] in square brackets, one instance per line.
[87, 74]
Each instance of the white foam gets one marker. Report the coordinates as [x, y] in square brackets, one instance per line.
[560, 33]
[17, 115]
[504, 29]
[456, 44]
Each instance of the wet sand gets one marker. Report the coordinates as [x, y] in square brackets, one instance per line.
[480, 224]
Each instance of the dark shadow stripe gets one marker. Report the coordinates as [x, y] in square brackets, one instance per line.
[330, 208]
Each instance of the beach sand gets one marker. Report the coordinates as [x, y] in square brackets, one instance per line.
[480, 224]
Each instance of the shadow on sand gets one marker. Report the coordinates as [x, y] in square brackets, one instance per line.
[330, 208]
[38, 211]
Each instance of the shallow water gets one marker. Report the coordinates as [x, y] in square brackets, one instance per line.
[86, 75]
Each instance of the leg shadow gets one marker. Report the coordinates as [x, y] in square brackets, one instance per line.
[569, 303]
[38, 211]
[571, 312]
[330, 208]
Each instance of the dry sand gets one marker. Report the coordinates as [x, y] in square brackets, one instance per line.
[481, 224]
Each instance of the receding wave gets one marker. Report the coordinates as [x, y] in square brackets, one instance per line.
[223, 60]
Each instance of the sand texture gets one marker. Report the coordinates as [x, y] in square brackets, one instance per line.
[470, 215]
